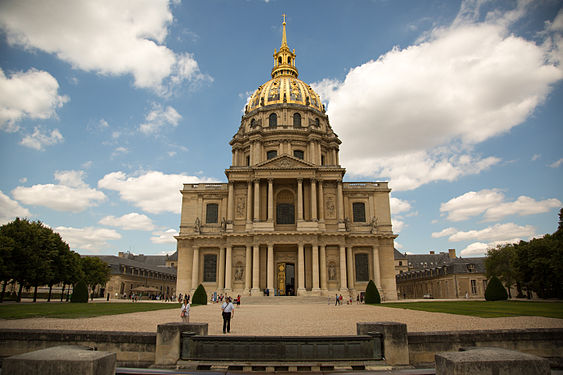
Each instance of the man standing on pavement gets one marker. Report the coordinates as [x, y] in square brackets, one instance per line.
[228, 312]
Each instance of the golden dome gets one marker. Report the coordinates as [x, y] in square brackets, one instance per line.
[284, 87]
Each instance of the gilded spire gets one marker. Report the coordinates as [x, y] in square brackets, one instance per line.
[284, 59]
[284, 38]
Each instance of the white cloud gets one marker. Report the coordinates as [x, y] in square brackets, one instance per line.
[39, 139]
[557, 163]
[444, 232]
[398, 225]
[119, 151]
[158, 118]
[491, 203]
[160, 237]
[536, 157]
[32, 94]
[458, 86]
[497, 232]
[399, 205]
[70, 194]
[10, 209]
[88, 238]
[152, 191]
[398, 246]
[480, 248]
[107, 37]
[132, 221]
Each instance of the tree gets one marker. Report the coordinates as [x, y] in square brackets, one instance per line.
[79, 292]
[495, 290]
[72, 270]
[96, 271]
[6, 265]
[372, 294]
[500, 263]
[200, 296]
[60, 254]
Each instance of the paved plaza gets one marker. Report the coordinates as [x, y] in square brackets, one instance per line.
[277, 316]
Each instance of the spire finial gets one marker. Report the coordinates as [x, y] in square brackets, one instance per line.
[284, 39]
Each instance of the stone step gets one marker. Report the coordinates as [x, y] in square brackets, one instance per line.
[283, 300]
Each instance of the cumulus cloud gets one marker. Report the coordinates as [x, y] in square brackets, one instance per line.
[152, 191]
[158, 118]
[160, 237]
[88, 238]
[435, 100]
[492, 204]
[497, 232]
[107, 37]
[70, 194]
[557, 163]
[444, 232]
[39, 139]
[398, 224]
[480, 248]
[398, 205]
[10, 209]
[132, 221]
[32, 94]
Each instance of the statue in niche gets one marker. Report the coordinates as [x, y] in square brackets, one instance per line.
[223, 225]
[332, 272]
[347, 224]
[197, 226]
[239, 272]
[373, 224]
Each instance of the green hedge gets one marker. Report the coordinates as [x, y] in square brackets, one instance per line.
[79, 293]
[372, 294]
[495, 290]
[200, 296]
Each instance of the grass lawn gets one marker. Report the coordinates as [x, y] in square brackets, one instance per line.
[77, 310]
[487, 309]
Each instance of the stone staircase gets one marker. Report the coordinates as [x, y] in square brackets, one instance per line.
[283, 300]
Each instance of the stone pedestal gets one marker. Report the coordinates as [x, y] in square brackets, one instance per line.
[395, 340]
[168, 340]
[490, 361]
[62, 360]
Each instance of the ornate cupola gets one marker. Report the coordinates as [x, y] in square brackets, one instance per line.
[284, 59]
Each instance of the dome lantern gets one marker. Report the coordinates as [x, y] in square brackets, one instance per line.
[284, 59]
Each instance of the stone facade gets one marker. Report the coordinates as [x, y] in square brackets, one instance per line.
[286, 222]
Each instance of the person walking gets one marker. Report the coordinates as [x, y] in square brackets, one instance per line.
[228, 310]
[337, 301]
[185, 312]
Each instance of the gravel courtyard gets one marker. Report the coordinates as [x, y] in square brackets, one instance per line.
[288, 320]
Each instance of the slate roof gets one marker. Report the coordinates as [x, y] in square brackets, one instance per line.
[423, 261]
[114, 262]
[398, 255]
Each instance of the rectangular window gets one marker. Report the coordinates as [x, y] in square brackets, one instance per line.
[209, 267]
[362, 267]
[473, 286]
[271, 154]
[359, 211]
[298, 154]
[248, 160]
[212, 213]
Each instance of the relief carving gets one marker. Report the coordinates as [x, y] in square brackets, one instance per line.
[330, 208]
[240, 207]
[239, 272]
[332, 271]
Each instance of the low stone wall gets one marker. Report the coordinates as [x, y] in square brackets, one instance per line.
[546, 343]
[133, 349]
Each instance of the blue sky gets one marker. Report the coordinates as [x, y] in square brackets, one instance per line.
[107, 107]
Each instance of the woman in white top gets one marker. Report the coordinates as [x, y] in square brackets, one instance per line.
[185, 312]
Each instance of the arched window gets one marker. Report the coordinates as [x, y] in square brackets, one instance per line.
[359, 211]
[317, 122]
[296, 120]
[279, 60]
[299, 154]
[271, 154]
[273, 120]
[253, 123]
[289, 60]
[212, 213]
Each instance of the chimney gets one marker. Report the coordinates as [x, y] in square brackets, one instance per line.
[452, 253]
[431, 252]
[120, 254]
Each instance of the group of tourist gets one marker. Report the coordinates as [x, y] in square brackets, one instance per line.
[227, 311]
[339, 300]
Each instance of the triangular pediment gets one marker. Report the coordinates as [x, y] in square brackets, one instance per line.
[284, 162]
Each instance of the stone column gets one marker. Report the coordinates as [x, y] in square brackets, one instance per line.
[270, 283]
[299, 199]
[313, 200]
[231, 202]
[315, 251]
[248, 268]
[256, 271]
[321, 201]
[343, 284]
[301, 270]
[340, 202]
[249, 203]
[350, 264]
[257, 200]
[270, 200]
[195, 269]
[221, 284]
[228, 268]
[376, 271]
[323, 268]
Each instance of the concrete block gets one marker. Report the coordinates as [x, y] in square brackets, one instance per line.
[490, 361]
[395, 340]
[61, 360]
[168, 340]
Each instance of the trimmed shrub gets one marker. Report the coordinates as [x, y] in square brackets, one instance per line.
[79, 293]
[495, 290]
[200, 296]
[372, 294]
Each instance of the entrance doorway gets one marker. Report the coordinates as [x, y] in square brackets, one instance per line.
[286, 279]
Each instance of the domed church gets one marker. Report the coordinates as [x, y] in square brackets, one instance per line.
[285, 223]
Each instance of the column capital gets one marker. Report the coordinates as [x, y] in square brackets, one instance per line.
[270, 179]
[314, 180]
[256, 180]
[300, 180]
